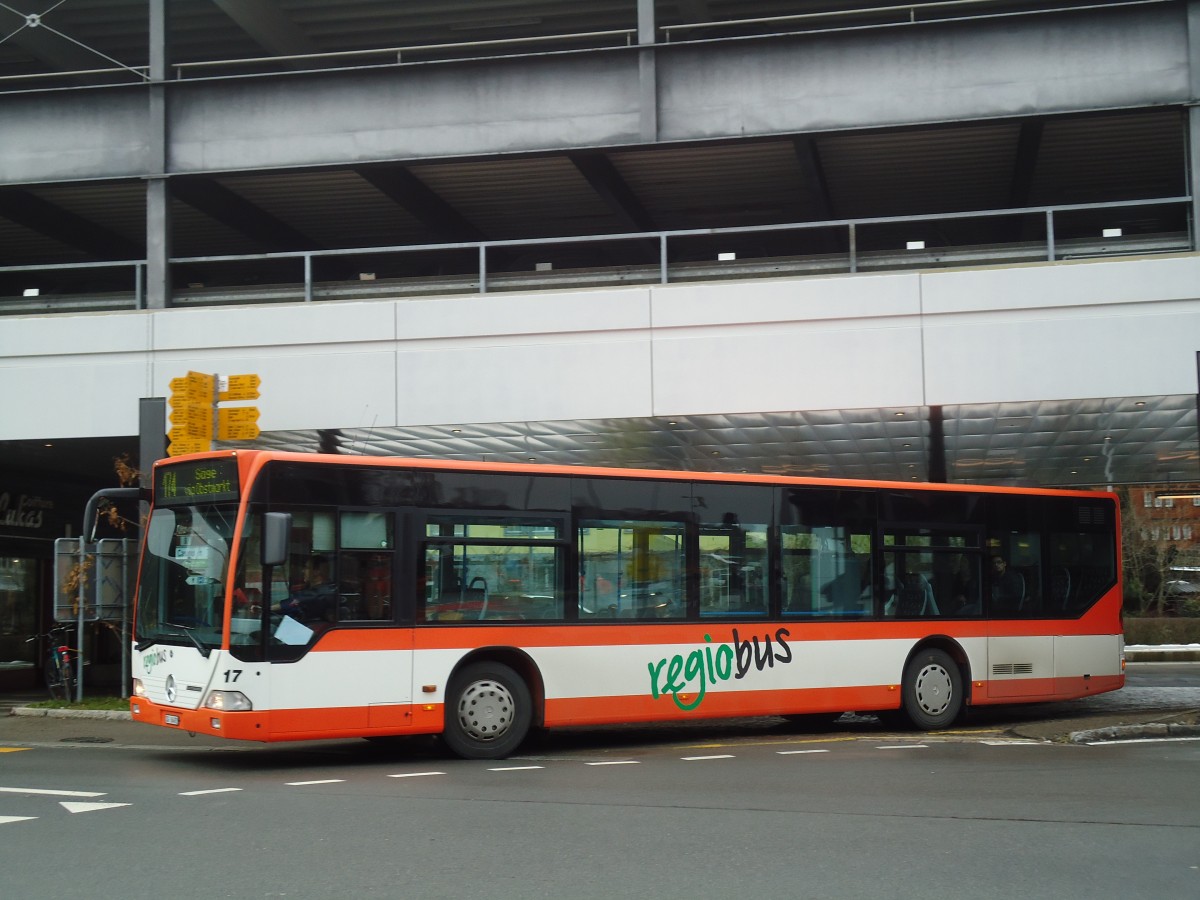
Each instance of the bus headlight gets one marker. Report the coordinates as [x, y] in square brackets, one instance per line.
[228, 701]
[139, 689]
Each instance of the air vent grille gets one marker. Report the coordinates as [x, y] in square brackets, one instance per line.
[1012, 669]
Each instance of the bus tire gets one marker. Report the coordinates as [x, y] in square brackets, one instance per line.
[488, 711]
[933, 689]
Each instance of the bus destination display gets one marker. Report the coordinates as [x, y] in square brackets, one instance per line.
[210, 480]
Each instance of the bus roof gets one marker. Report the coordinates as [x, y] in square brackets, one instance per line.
[250, 460]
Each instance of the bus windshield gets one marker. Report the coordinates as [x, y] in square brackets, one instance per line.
[184, 573]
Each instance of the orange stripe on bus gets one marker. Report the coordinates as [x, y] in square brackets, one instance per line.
[717, 704]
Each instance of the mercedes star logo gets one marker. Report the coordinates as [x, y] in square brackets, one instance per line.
[171, 692]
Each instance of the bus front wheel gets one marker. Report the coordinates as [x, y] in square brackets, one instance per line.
[933, 690]
[488, 711]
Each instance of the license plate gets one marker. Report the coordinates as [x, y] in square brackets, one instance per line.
[171, 719]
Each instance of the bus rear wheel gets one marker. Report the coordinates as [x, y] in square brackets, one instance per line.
[488, 711]
[933, 690]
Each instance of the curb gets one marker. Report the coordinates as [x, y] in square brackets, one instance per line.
[1150, 654]
[1132, 732]
[112, 715]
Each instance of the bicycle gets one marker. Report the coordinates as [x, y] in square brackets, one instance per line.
[58, 668]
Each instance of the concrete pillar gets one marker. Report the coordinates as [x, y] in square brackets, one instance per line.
[647, 75]
[158, 206]
[1193, 119]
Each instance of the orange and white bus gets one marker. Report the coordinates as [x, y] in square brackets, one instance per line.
[287, 596]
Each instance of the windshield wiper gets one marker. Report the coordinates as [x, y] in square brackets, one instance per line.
[180, 629]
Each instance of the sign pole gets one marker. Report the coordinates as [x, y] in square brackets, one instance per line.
[79, 618]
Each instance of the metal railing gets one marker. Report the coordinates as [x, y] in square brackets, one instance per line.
[374, 56]
[634, 268]
[893, 14]
[886, 15]
[388, 55]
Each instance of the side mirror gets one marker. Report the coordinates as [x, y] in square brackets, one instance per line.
[277, 536]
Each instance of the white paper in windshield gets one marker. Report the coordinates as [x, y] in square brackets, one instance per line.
[292, 632]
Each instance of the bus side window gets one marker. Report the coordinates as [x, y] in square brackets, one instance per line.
[733, 559]
[826, 571]
[908, 586]
[364, 586]
[481, 568]
[631, 570]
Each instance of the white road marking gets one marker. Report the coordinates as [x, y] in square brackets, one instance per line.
[616, 762]
[7, 820]
[322, 781]
[798, 752]
[212, 791]
[904, 747]
[51, 793]
[515, 768]
[89, 807]
[415, 774]
[704, 758]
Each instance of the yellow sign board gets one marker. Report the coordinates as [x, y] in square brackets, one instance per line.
[194, 390]
[194, 399]
[179, 447]
[243, 415]
[238, 423]
[195, 421]
[201, 385]
[240, 387]
[236, 432]
[181, 415]
[180, 399]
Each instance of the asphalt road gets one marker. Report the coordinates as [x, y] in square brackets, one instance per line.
[999, 807]
[766, 814]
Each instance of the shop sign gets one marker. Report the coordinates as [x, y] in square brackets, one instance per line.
[24, 512]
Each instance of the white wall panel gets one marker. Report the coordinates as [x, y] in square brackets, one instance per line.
[493, 315]
[1072, 284]
[1050, 332]
[274, 326]
[85, 397]
[338, 386]
[788, 367]
[839, 297]
[86, 335]
[1101, 329]
[512, 357]
[818, 343]
[525, 382]
[71, 378]
[1125, 351]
